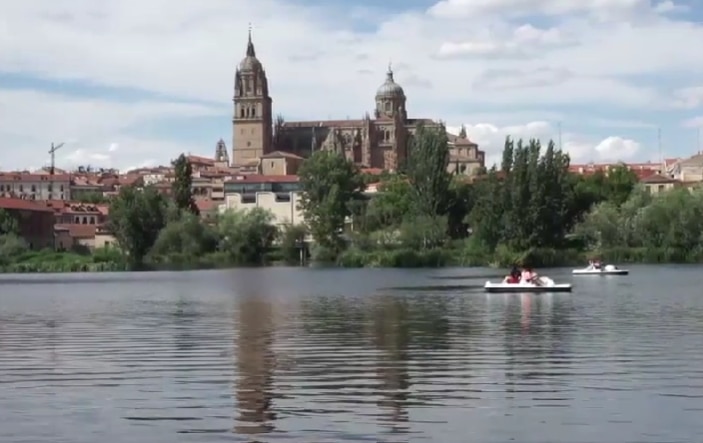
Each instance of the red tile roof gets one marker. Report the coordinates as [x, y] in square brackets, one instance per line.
[657, 178]
[200, 160]
[13, 177]
[206, 205]
[22, 204]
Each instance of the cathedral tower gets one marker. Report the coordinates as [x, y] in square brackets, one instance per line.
[252, 123]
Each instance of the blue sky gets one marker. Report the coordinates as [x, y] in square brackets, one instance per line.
[134, 83]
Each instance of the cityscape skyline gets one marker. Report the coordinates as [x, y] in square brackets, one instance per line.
[523, 74]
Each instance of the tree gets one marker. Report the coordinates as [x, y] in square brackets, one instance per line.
[390, 205]
[426, 169]
[292, 238]
[186, 237]
[92, 197]
[247, 236]
[136, 219]
[461, 200]
[528, 203]
[329, 184]
[182, 186]
[8, 223]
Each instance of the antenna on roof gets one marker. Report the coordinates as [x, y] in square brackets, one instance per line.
[659, 144]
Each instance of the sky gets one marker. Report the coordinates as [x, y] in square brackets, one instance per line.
[134, 83]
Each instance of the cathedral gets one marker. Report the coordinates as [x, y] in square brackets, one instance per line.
[379, 142]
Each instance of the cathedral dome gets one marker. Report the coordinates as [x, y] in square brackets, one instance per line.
[249, 63]
[389, 88]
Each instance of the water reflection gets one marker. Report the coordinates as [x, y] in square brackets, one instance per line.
[391, 335]
[207, 360]
[256, 361]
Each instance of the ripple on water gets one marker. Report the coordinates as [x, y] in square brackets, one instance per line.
[406, 362]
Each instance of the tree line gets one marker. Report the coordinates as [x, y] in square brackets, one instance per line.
[530, 208]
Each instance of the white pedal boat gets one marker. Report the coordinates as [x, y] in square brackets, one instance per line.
[546, 285]
[607, 270]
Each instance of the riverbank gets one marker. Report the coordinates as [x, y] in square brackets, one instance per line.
[503, 257]
[63, 262]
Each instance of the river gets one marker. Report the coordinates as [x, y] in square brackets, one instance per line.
[312, 355]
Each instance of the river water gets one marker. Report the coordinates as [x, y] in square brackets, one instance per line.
[311, 355]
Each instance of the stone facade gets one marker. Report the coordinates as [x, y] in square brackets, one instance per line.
[252, 122]
[379, 142]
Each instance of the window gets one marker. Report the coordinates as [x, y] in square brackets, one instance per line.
[661, 188]
[21, 188]
[61, 189]
[34, 188]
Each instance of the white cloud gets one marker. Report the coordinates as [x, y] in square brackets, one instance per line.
[688, 98]
[590, 55]
[524, 40]
[581, 149]
[32, 120]
[599, 8]
[695, 122]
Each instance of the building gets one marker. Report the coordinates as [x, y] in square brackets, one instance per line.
[278, 194]
[35, 186]
[380, 141]
[90, 237]
[35, 221]
[656, 183]
[688, 170]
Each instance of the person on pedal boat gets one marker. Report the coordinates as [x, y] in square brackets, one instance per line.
[528, 276]
[513, 277]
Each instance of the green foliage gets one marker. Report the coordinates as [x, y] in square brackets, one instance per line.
[11, 247]
[8, 223]
[529, 206]
[92, 198]
[329, 183]
[389, 207]
[424, 232]
[186, 237]
[182, 187]
[247, 236]
[426, 170]
[292, 239]
[136, 219]
[665, 227]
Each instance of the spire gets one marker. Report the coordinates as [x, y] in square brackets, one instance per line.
[462, 133]
[250, 45]
[389, 74]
